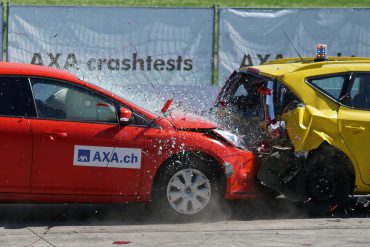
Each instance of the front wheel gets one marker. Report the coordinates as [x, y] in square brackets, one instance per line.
[188, 191]
[327, 189]
[187, 187]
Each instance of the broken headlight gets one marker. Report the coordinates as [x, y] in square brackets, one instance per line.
[230, 138]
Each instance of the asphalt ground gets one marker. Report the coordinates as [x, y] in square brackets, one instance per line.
[274, 222]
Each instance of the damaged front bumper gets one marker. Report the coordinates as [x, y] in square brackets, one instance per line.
[279, 171]
[241, 171]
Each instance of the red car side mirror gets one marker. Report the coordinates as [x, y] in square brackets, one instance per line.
[124, 115]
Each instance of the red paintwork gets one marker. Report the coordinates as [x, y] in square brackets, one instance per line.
[36, 158]
[187, 121]
[61, 198]
[52, 169]
[15, 155]
[241, 183]
[167, 105]
[125, 113]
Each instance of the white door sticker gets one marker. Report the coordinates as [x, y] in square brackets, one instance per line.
[107, 157]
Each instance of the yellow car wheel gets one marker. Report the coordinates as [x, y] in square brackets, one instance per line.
[327, 182]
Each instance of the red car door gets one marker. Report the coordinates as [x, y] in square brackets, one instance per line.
[79, 147]
[15, 135]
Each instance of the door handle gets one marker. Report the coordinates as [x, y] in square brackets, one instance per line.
[52, 135]
[355, 129]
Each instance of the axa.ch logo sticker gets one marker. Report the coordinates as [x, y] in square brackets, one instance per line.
[83, 155]
[108, 157]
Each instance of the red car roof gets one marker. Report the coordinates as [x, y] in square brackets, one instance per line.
[7, 68]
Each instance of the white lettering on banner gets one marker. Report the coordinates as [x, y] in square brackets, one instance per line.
[107, 157]
[113, 64]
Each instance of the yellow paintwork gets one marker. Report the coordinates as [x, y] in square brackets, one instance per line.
[321, 118]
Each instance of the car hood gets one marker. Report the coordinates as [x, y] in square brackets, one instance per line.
[188, 121]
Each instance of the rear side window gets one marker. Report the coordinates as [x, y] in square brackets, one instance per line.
[359, 92]
[15, 97]
[330, 85]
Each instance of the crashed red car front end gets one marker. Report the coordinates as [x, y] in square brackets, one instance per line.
[186, 133]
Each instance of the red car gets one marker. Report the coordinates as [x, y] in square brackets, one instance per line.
[63, 140]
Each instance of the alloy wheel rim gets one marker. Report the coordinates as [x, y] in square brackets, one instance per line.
[188, 191]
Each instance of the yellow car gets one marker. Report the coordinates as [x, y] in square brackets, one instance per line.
[309, 125]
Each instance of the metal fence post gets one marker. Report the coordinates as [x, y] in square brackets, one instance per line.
[218, 45]
[214, 45]
[6, 31]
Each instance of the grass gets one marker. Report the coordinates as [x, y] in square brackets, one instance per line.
[206, 3]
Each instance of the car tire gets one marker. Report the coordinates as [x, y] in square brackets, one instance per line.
[186, 188]
[327, 183]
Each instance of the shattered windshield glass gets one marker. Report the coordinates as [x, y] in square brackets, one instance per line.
[241, 96]
[241, 107]
[251, 106]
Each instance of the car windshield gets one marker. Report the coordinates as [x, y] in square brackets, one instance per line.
[240, 94]
[250, 104]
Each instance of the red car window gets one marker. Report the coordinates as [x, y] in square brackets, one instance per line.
[57, 100]
[15, 97]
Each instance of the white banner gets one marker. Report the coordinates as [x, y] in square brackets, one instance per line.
[254, 36]
[121, 49]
